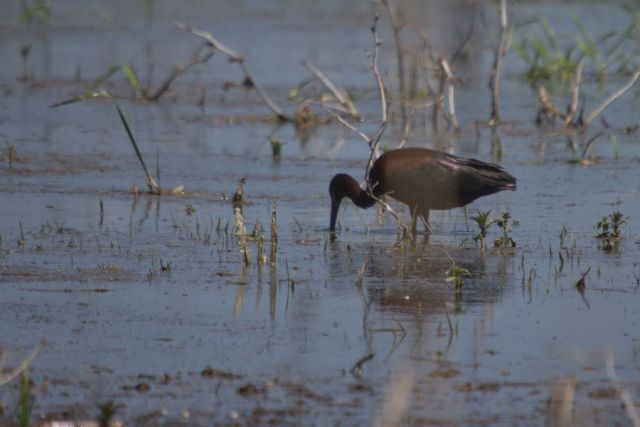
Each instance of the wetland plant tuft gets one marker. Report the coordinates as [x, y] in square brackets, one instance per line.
[276, 149]
[505, 223]
[484, 222]
[609, 230]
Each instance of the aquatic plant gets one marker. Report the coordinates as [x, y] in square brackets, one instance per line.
[609, 230]
[276, 149]
[24, 401]
[483, 221]
[505, 223]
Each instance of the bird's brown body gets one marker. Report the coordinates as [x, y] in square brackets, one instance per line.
[423, 180]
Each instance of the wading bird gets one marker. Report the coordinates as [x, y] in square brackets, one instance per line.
[422, 179]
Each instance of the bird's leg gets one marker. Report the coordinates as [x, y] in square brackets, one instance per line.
[414, 219]
[424, 216]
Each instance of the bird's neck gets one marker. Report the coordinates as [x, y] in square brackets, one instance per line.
[362, 199]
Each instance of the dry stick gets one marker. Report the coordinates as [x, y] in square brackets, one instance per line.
[374, 142]
[617, 94]
[340, 95]
[177, 72]
[373, 145]
[501, 49]
[396, 28]
[351, 127]
[437, 105]
[446, 68]
[624, 394]
[236, 57]
[575, 93]
[547, 104]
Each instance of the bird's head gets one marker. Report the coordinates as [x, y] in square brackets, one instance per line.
[341, 186]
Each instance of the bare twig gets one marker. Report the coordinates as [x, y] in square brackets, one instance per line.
[588, 144]
[501, 50]
[356, 370]
[547, 108]
[396, 27]
[341, 96]
[349, 126]
[617, 94]
[176, 73]
[575, 94]
[373, 145]
[240, 59]
[446, 68]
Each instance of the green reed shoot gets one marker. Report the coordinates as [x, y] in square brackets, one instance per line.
[483, 220]
[505, 223]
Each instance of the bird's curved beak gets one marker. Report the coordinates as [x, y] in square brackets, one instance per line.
[335, 204]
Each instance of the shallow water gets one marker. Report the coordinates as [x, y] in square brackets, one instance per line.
[283, 342]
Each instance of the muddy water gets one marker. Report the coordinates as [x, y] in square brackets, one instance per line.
[144, 300]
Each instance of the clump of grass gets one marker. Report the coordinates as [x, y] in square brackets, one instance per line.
[276, 149]
[483, 220]
[506, 241]
[609, 230]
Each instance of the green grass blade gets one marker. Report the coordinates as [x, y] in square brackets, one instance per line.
[153, 187]
[133, 79]
[106, 76]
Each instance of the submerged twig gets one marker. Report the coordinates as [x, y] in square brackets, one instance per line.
[179, 69]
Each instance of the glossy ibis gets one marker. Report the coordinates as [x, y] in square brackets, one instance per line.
[422, 179]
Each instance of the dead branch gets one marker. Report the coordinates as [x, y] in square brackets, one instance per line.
[396, 27]
[240, 59]
[341, 96]
[373, 146]
[576, 81]
[348, 125]
[180, 69]
[617, 94]
[446, 68]
[501, 50]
